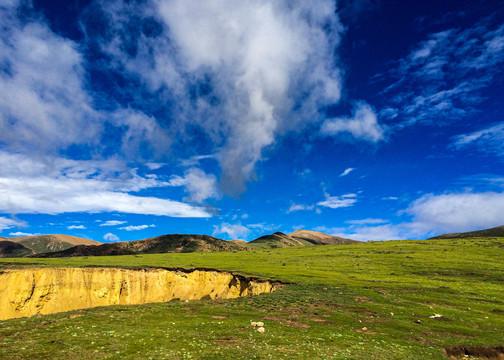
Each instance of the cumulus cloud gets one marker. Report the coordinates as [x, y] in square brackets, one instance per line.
[71, 227]
[113, 223]
[47, 105]
[362, 125]
[136, 228]
[335, 202]
[242, 73]
[55, 186]
[456, 212]
[233, 231]
[109, 237]
[198, 184]
[373, 233]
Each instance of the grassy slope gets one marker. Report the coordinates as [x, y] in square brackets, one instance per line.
[493, 232]
[338, 290]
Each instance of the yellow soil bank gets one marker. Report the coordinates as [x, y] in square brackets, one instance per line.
[28, 292]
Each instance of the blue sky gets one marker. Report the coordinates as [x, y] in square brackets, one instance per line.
[368, 119]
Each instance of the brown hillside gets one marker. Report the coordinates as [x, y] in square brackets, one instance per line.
[175, 243]
[273, 241]
[318, 238]
[51, 242]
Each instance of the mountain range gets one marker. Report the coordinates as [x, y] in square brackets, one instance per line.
[65, 245]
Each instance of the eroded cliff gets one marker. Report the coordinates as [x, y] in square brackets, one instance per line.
[28, 292]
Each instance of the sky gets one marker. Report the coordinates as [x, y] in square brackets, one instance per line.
[367, 119]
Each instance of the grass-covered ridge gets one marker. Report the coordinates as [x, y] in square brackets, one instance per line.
[359, 301]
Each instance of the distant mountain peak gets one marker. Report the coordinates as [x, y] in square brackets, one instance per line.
[318, 238]
[497, 231]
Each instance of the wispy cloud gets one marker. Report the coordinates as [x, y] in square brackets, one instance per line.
[442, 77]
[19, 233]
[113, 223]
[489, 140]
[72, 227]
[335, 202]
[368, 221]
[298, 207]
[6, 223]
[390, 198]
[136, 228]
[346, 172]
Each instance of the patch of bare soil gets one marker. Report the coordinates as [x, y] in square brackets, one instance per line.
[363, 299]
[229, 341]
[218, 317]
[365, 331]
[457, 352]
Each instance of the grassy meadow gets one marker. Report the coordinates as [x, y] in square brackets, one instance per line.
[360, 301]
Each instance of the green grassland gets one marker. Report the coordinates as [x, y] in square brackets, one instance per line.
[360, 301]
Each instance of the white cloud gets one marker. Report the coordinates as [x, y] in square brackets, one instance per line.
[432, 215]
[254, 60]
[346, 172]
[233, 231]
[154, 166]
[199, 185]
[376, 233]
[71, 227]
[6, 223]
[263, 227]
[390, 198]
[366, 221]
[298, 207]
[19, 233]
[445, 74]
[110, 237]
[47, 106]
[335, 202]
[136, 228]
[362, 125]
[457, 212]
[53, 186]
[489, 140]
[113, 223]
